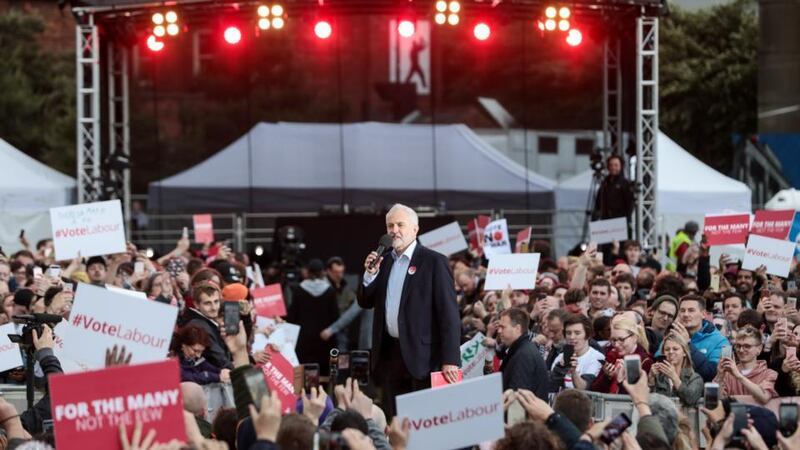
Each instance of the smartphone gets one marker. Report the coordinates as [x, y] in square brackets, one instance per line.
[67, 287]
[727, 352]
[633, 367]
[718, 307]
[711, 395]
[54, 271]
[22, 233]
[599, 256]
[791, 302]
[791, 285]
[739, 412]
[37, 271]
[256, 385]
[230, 311]
[185, 234]
[47, 425]
[515, 413]
[787, 418]
[615, 428]
[569, 350]
[310, 377]
[715, 282]
[660, 358]
[138, 267]
[359, 366]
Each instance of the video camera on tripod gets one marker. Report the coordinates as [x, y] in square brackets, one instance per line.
[32, 322]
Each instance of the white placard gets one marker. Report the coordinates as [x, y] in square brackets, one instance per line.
[446, 240]
[518, 270]
[776, 254]
[454, 416]
[10, 356]
[101, 318]
[734, 251]
[473, 356]
[89, 229]
[495, 239]
[284, 337]
[132, 293]
[609, 230]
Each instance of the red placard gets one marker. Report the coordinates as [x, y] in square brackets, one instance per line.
[88, 407]
[279, 374]
[773, 224]
[269, 301]
[523, 241]
[438, 379]
[475, 229]
[727, 230]
[203, 228]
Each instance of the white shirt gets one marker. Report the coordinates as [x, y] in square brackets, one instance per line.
[394, 288]
[588, 364]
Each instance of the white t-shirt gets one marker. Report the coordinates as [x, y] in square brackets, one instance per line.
[588, 364]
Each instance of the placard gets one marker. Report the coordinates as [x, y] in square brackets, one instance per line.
[454, 416]
[269, 301]
[726, 229]
[773, 224]
[279, 374]
[10, 356]
[794, 233]
[203, 228]
[89, 407]
[438, 379]
[495, 239]
[101, 319]
[90, 229]
[475, 229]
[776, 254]
[473, 356]
[608, 230]
[446, 240]
[523, 242]
[735, 252]
[518, 270]
[132, 293]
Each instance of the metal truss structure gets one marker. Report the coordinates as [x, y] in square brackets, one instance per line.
[646, 129]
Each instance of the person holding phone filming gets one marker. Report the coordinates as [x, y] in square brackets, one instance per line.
[625, 340]
[674, 376]
[584, 362]
[751, 375]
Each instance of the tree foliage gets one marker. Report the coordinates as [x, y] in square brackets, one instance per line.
[709, 78]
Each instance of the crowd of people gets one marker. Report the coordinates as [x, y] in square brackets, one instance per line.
[702, 322]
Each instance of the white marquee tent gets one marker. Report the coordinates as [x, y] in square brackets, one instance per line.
[28, 189]
[687, 190]
[284, 167]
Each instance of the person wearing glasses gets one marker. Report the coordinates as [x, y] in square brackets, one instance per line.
[673, 375]
[664, 309]
[750, 376]
[626, 339]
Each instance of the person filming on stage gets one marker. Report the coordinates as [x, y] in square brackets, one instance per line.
[416, 329]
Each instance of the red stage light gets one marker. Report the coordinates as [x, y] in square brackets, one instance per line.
[482, 31]
[406, 28]
[154, 44]
[574, 38]
[323, 29]
[232, 35]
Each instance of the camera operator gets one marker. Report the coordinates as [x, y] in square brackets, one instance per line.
[32, 418]
[615, 196]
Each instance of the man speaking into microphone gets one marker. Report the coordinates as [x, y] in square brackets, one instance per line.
[416, 329]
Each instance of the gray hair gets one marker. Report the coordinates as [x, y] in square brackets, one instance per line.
[666, 411]
[397, 207]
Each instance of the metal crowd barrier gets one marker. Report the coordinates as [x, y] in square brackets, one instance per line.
[16, 395]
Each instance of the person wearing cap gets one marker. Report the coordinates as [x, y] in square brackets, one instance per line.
[314, 306]
[96, 269]
[681, 243]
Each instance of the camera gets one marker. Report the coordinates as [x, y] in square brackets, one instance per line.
[33, 322]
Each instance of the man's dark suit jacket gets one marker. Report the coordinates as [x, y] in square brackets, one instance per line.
[428, 321]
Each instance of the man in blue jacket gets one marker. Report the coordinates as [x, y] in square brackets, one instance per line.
[705, 341]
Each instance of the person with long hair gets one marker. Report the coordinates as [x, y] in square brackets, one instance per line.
[674, 376]
[626, 339]
[188, 345]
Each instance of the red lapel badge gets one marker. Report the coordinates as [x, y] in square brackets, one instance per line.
[412, 270]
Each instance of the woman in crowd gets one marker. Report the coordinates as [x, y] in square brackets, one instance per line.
[626, 339]
[750, 376]
[674, 376]
[161, 287]
[188, 344]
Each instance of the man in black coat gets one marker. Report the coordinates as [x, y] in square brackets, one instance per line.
[522, 364]
[615, 196]
[416, 329]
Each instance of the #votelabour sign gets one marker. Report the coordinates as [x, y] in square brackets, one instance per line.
[446, 240]
[89, 229]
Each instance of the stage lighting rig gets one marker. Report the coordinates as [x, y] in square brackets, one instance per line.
[447, 12]
[165, 24]
[271, 17]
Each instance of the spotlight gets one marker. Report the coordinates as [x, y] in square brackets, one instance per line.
[550, 12]
[406, 28]
[263, 11]
[232, 35]
[173, 29]
[454, 7]
[563, 25]
[482, 31]
[440, 18]
[154, 44]
[323, 29]
[452, 19]
[540, 25]
[278, 23]
[441, 6]
[158, 18]
[263, 24]
[159, 30]
[564, 12]
[149, 252]
[259, 250]
[277, 10]
[550, 25]
[574, 38]
[171, 17]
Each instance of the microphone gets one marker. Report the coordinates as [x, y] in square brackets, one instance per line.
[384, 244]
